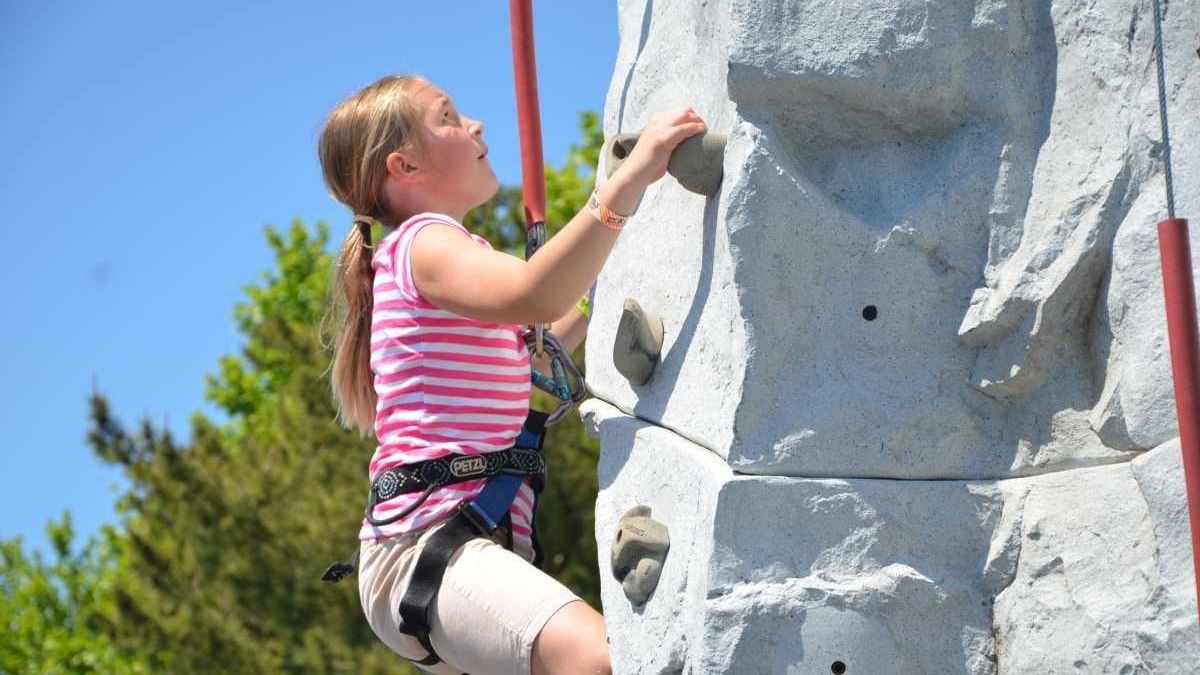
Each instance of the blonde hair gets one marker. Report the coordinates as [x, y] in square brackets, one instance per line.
[358, 136]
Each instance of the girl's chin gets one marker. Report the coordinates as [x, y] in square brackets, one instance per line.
[486, 195]
[493, 186]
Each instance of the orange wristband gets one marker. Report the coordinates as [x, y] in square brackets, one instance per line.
[607, 218]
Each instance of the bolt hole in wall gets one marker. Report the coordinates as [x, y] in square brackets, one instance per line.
[838, 667]
[869, 313]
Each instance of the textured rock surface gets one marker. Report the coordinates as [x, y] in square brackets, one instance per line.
[913, 412]
[985, 176]
[1103, 581]
[1085, 570]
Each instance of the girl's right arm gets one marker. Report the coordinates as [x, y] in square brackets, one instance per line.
[493, 286]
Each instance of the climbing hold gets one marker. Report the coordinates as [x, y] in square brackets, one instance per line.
[638, 343]
[641, 582]
[696, 163]
[638, 552]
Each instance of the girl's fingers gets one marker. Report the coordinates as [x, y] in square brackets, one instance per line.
[680, 115]
[676, 126]
[687, 130]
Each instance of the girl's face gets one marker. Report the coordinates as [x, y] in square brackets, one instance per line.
[458, 173]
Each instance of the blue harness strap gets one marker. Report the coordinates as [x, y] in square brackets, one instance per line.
[496, 498]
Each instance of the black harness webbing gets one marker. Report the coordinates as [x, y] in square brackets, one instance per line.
[427, 577]
[434, 473]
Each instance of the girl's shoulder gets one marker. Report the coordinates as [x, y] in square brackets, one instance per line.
[393, 253]
[399, 239]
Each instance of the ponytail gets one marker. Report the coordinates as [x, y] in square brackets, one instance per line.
[352, 380]
[382, 118]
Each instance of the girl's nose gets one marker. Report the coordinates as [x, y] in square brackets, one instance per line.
[475, 127]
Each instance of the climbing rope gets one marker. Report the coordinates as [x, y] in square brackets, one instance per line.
[1162, 108]
[533, 181]
[566, 381]
[1183, 334]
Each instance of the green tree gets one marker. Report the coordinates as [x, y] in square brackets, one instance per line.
[225, 537]
[50, 612]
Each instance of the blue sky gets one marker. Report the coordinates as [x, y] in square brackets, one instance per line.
[145, 145]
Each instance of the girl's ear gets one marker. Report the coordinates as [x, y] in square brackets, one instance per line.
[400, 167]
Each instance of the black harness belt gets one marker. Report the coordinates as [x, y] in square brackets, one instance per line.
[434, 473]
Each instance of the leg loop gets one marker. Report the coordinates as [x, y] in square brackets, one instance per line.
[427, 580]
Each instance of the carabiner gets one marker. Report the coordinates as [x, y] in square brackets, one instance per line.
[567, 383]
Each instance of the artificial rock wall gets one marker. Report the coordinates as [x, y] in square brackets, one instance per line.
[913, 412]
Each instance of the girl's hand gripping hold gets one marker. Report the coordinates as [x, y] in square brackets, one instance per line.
[648, 160]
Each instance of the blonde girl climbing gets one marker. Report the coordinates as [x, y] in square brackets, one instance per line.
[429, 358]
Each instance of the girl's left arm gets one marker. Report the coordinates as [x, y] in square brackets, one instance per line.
[570, 329]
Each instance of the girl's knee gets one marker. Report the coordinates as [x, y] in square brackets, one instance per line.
[593, 661]
[572, 641]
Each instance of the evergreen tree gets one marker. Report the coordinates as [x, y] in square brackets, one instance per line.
[225, 537]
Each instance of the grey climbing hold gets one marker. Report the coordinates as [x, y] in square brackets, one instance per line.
[638, 343]
[697, 163]
[638, 552]
[641, 582]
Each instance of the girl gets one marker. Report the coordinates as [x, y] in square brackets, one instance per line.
[429, 357]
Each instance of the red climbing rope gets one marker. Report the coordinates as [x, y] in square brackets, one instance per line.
[566, 382]
[533, 181]
[1180, 293]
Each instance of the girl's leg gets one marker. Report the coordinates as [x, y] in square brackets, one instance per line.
[491, 609]
[574, 640]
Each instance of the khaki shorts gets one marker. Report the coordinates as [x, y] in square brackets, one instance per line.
[491, 606]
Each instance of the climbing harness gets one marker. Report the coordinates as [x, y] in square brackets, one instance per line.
[1182, 332]
[480, 517]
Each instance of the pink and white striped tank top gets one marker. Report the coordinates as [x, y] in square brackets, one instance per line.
[447, 385]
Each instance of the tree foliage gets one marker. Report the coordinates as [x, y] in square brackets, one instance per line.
[215, 566]
[50, 611]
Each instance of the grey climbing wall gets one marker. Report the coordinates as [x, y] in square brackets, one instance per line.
[913, 409]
